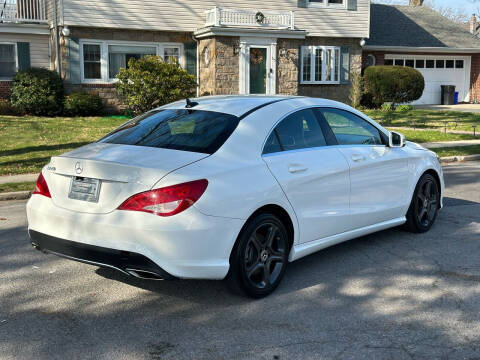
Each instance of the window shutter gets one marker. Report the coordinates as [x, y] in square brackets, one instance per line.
[23, 55]
[352, 5]
[191, 58]
[74, 60]
[345, 65]
[302, 3]
[299, 65]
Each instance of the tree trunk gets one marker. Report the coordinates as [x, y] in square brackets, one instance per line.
[416, 2]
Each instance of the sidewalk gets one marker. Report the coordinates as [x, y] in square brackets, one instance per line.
[18, 178]
[442, 144]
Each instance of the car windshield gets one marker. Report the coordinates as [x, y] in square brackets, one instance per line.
[178, 129]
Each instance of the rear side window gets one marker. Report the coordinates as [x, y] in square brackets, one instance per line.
[178, 129]
[349, 129]
[300, 130]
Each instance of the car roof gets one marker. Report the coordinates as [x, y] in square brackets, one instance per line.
[242, 105]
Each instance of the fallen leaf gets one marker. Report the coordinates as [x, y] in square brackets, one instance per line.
[2, 218]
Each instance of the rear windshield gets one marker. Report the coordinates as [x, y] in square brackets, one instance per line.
[178, 129]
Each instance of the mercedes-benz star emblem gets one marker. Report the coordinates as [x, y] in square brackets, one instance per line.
[78, 167]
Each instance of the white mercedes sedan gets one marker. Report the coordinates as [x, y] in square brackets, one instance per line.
[231, 187]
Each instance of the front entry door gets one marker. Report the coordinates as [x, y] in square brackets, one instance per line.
[258, 70]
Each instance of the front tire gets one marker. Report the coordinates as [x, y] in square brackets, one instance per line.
[424, 207]
[259, 258]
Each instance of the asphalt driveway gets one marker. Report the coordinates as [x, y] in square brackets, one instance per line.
[391, 295]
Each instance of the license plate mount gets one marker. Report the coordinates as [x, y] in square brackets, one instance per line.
[84, 189]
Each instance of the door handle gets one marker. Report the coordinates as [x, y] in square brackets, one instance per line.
[358, 157]
[295, 168]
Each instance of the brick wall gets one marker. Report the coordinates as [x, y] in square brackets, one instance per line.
[475, 79]
[5, 89]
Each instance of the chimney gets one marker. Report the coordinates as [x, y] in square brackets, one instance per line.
[473, 24]
[416, 2]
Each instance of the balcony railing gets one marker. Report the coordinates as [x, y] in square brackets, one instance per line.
[250, 18]
[22, 11]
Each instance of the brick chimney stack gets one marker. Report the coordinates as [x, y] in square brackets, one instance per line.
[416, 2]
[473, 24]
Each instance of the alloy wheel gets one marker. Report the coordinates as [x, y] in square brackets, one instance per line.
[427, 203]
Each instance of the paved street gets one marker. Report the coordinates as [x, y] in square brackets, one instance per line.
[391, 295]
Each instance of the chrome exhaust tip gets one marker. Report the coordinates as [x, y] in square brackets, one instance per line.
[144, 274]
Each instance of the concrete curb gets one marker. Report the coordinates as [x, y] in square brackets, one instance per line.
[459, 158]
[17, 195]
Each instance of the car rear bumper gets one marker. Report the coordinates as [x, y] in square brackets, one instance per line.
[125, 261]
[187, 245]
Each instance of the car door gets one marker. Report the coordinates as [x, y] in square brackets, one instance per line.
[378, 173]
[313, 175]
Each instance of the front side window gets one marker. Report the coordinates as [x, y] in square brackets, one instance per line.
[349, 129]
[8, 64]
[300, 130]
[178, 129]
[92, 66]
[320, 65]
[120, 55]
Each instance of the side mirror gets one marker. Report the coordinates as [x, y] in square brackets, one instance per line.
[396, 139]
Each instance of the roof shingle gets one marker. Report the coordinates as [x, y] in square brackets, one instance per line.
[409, 26]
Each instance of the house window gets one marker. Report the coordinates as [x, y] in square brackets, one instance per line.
[420, 64]
[430, 64]
[92, 65]
[409, 63]
[8, 62]
[325, 3]
[101, 60]
[120, 55]
[320, 65]
[171, 54]
[459, 64]
[440, 64]
[389, 62]
[449, 64]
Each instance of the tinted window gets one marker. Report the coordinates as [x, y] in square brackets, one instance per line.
[179, 129]
[297, 131]
[349, 129]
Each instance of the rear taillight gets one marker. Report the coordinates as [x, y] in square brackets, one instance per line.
[166, 201]
[41, 187]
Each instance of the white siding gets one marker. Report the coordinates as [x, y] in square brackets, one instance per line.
[39, 49]
[188, 15]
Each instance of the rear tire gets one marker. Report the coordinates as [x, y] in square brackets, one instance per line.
[259, 257]
[423, 209]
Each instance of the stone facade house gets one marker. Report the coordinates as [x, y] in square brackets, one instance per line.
[298, 47]
[446, 53]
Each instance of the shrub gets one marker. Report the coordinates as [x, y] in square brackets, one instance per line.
[6, 108]
[395, 84]
[82, 104]
[404, 108]
[387, 107]
[356, 91]
[37, 91]
[150, 82]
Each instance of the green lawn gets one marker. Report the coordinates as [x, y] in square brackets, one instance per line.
[23, 186]
[28, 142]
[422, 136]
[456, 151]
[456, 120]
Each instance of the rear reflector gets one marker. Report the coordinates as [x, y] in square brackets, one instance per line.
[41, 187]
[166, 201]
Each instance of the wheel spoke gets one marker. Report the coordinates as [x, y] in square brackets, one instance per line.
[428, 189]
[254, 240]
[274, 259]
[421, 197]
[422, 213]
[431, 212]
[272, 231]
[266, 274]
[252, 270]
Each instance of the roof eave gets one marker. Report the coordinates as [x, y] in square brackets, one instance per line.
[422, 49]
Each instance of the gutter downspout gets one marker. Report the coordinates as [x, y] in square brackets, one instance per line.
[57, 45]
[198, 64]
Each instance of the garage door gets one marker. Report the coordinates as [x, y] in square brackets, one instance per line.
[437, 71]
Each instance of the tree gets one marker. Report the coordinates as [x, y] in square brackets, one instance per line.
[150, 82]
